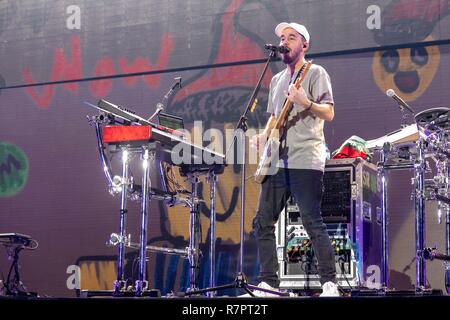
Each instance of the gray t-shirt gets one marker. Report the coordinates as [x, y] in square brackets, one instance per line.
[303, 146]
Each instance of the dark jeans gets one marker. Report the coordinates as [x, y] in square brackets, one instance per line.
[306, 186]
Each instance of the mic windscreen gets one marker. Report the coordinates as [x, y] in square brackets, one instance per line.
[390, 93]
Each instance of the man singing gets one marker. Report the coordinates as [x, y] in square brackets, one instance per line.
[301, 159]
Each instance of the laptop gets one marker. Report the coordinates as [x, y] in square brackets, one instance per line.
[170, 121]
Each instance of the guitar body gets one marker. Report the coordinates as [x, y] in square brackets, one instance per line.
[269, 159]
[268, 162]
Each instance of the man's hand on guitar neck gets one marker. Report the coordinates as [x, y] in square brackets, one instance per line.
[298, 96]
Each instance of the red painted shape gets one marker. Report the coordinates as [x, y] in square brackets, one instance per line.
[126, 133]
[243, 48]
[426, 10]
[62, 69]
[141, 64]
[104, 67]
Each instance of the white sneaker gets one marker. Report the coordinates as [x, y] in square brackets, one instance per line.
[263, 294]
[330, 289]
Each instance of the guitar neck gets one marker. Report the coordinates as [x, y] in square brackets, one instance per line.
[288, 103]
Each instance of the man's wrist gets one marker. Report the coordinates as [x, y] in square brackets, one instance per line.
[309, 106]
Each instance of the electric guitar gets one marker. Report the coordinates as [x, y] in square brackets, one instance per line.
[268, 162]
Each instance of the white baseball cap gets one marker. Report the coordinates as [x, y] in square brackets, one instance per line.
[297, 27]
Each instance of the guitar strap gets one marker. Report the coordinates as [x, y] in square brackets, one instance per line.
[298, 74]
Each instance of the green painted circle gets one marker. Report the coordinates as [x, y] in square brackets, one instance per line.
[14, 169]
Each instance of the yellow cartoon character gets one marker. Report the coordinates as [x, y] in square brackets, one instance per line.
[408, 71]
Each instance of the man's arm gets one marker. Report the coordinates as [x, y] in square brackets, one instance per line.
[270, 125]
[260, 139]
[298, 96]
[323, 111]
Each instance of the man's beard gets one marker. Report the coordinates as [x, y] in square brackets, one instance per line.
[287, 59]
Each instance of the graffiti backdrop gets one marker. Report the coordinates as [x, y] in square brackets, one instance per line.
[57, 55]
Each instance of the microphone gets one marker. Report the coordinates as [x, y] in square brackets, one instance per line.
[391, 94]
[177, 83]
[280, 49]
[160, 106]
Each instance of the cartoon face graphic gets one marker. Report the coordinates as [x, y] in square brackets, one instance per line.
[408, 71]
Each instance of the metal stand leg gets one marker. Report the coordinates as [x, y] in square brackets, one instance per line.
[212, 178]
[120, 282]
[194, 236]
[447, 212]
[384, 231]
[14, 286]
[420, 218]
[242, 221]
[141, 283]
[447, 233]
[447, 248]
[447, 229]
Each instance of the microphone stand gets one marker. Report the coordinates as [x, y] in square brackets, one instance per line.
[241, 128]
[160, 106]
[404, 118]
